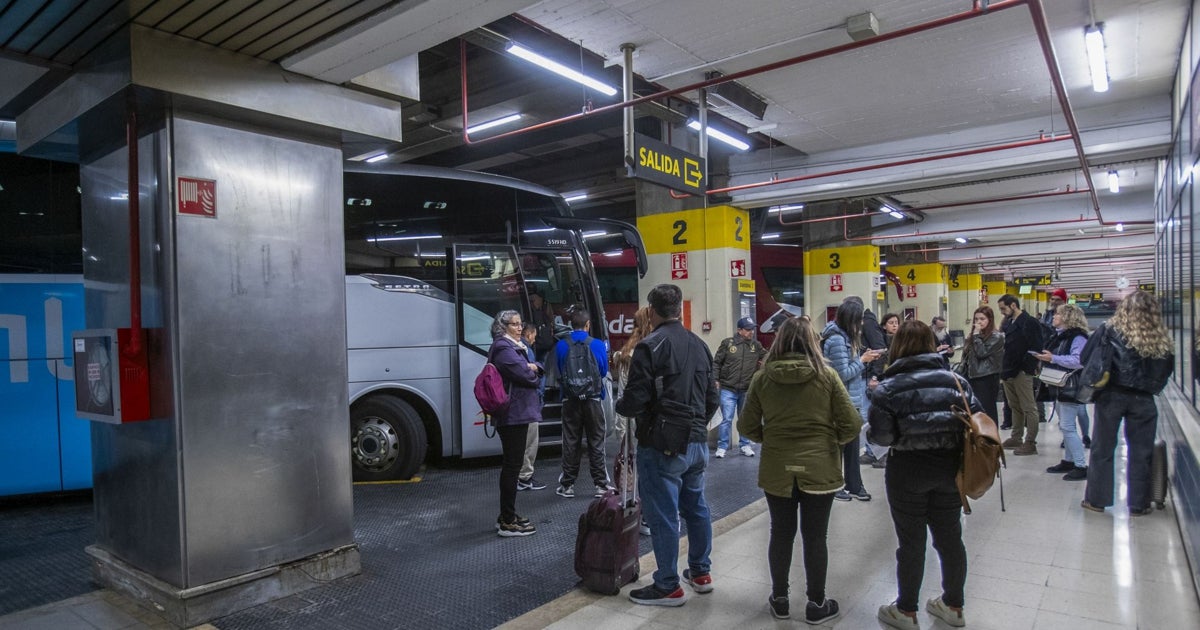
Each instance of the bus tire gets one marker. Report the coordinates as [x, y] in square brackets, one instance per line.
[387, 439]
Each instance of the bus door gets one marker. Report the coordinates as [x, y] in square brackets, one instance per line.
[556, 288]
[488, 280]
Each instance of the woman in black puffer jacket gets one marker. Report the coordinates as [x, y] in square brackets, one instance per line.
[912, 412]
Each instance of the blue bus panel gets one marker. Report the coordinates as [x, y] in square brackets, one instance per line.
[44, 447]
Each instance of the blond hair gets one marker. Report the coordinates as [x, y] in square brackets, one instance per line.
[1071, 316]
[1139, 320]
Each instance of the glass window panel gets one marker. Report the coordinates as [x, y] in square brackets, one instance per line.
[489, 281]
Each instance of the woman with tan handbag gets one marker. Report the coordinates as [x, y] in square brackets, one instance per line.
[912, 410]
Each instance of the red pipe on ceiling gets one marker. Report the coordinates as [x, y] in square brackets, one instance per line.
[1041, 139]
[896, 248]
[997, 147]
[1049, 255]
[846, 235]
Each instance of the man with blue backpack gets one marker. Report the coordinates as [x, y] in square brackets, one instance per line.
[582, 365]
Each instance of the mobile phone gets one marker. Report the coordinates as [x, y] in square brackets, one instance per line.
[1033, 352]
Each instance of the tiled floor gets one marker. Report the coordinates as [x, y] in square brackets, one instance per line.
[1043, 564]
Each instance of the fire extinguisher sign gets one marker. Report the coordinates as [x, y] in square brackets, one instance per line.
[198, 197]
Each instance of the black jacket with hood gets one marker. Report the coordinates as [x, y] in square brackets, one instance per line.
[912, 408]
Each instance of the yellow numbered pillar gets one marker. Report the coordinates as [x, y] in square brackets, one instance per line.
[705, 251]
[921, 294]
[992, 292]
[965, 292]
[830, 275]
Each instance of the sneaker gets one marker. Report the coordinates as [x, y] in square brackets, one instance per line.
[530, 484]
[842, 495]
[1087, 442]
[521, 520]
[814, 614]
[651, 596]
[1012, 442]
[516, 527]
[864, 459]
[1028, 448]
[644, 529]
[880, 463]
[1076, 474]
[747, 451]
[602, 490]
[720, 454]
[893, 617]
[701, 582]
[1061, 467]
[566, 491]
[938, 608]
[779, 607]
[1088, 506]
[861, 495]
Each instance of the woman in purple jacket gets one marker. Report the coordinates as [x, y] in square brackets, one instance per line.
[521, 377]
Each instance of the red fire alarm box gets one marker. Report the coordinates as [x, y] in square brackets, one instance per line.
[112, 382]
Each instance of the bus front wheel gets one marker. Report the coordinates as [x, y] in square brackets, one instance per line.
[387, 439]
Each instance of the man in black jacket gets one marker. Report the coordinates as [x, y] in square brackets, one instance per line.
[672, 393]
[738, 357]
[1022, 335]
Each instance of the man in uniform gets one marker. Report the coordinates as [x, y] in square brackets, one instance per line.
[735, 363]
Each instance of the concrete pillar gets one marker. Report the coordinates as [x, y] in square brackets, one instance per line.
[965, 295]
[833, 273]
[924, 291]
[705, 251]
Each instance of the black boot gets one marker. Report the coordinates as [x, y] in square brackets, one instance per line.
[1061, 467]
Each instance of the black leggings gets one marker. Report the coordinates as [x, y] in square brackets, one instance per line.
[814, 526]
[512, 445]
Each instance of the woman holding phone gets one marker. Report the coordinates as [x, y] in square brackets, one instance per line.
[841, 341]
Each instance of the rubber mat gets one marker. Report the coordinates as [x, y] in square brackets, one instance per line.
[430, 554]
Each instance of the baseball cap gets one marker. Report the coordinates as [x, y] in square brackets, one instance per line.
[746, 323]
[1060, 294]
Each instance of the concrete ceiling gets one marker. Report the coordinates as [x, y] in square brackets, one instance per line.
[980, 82]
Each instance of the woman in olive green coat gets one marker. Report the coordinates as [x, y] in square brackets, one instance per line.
[799, 410]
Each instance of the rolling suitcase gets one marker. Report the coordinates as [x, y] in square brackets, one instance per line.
[606, 548]
[1158, 475]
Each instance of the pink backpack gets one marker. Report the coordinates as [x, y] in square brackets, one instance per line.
[490, 392]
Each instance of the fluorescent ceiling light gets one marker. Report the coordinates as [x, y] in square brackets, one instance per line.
[883, 263]
[1114, 182]
[1120, 227]
[377, 158]
[770, 236]
[406, 238]
[1093, 38]
[787, 208]
[960, 239]
[518, 50]
[717, 134]
[579, 197]
[898, 215]
[491, 123]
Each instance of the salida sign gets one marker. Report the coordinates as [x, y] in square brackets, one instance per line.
[667, 165]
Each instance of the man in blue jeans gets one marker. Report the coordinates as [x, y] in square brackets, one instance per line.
[736, 360]
[671, 385]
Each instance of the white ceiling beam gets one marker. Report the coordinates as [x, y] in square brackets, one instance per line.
[401, 31]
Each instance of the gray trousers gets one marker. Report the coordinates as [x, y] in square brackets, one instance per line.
[531, 446]
[583, 420]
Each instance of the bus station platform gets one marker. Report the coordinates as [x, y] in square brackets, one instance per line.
[431, 559]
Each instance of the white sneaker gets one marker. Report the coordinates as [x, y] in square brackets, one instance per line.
[938, 608]
[891, 616]
[720, 453]
[747, 451]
